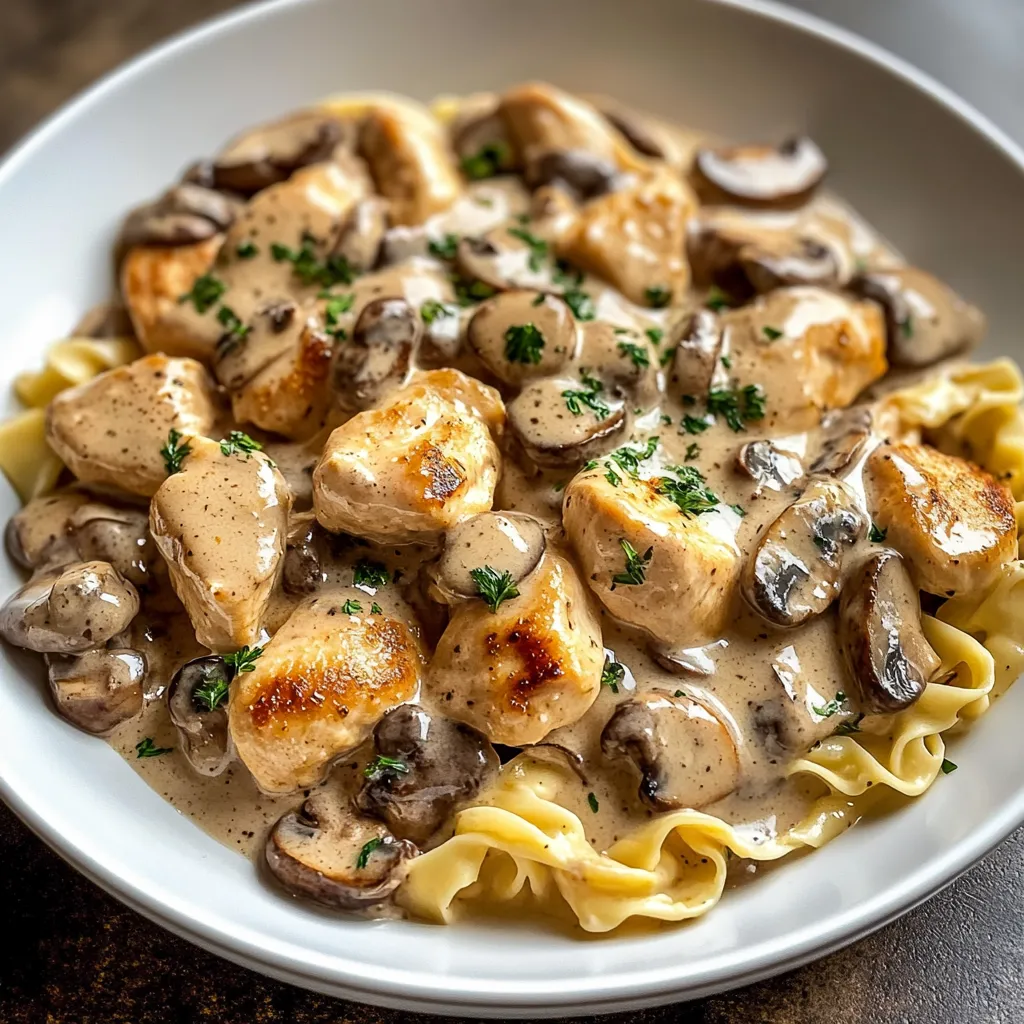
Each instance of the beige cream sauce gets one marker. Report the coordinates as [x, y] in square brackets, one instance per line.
[233, 811]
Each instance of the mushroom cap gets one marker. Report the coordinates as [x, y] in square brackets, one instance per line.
[698, 341]
[760, 175]
[584, 175]
[202, 729]
[771, 466]
[502, 259]
[119, 536]
[362, 234]
[844, 434]
[880, 635]
[445, 762]
[686, 756]
[808, 262]
[183, 215]
[521, 335]
[99, 689]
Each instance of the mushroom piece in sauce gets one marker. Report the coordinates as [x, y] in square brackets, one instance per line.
[925, 319]
[378, 357]
[845, 433]
[330, 855]
[98, 689]
[808, 262]
[362, 234]
[37, 534]
[302, 572]
[119, 536]
[183, 215]
[685, 755]
[770, 465]
[698, 341]
[583, 175]
[197, 704]
[428, 764]
[69, 610]
[759, 175]
[795, 571]
[505, 257]
[889, 659]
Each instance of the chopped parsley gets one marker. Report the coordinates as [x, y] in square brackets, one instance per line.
[581, 303]
[688, 491]
[239, 443]
[877, 536]
[364, 854]
[612, 477]
[947, 766]
[487, 161]
[636, 565]
[628, 459]
[612, 674]
[739, 510]
[771, 333]
[637, 354]
[717, 300]
[351, 607]
[211, 693]
[727, 362]
[655, 334]
[174, 451]
[692, 451]
[524, 343]
[335, 308]
[375, 609]
[205, 292]
[576, 400]
[432, 310]
[444, 248]
[538, 247]
[737, 406]
[492, 586]
[382, 765]
[694, 424]
[308, 268]
[658, 296]
[592, 801]
[147, 748]
[834, 707]
[848, 728]
[370, 574]
[246, 250]
[468, 293]
[242, 660]
[906, 326]
[232, 323]
[666, 419]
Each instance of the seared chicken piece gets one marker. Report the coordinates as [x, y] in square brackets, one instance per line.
[221, 524]
[410, 161]
[685, 567]
[532, 666]
[110, 430]
[634, 238]
[320, 686]
[414, 467]
[811, 349]
[153, 279]
[952, 521]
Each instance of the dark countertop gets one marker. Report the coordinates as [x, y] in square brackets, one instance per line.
[76, 956]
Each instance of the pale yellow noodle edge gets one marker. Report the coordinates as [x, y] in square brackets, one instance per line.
[522, 843]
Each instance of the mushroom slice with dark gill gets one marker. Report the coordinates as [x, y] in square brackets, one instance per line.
[303, 572]
[795, 571]
[808, 262]
[583, 175]
[889, 659]
[98, 689]
[362, 234]
[557, 429]
[425, 765]
[70, 610]
[183, 215]
[769, 465]
[844, 435]
[698, 341]
[925, 320]
[685, 755]
[508, 542]
[329, 854]
[766, 177]
[503, 258]
[197, 704]
[378, 358]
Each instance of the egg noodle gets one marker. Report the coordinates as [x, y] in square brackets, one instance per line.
[675, 867]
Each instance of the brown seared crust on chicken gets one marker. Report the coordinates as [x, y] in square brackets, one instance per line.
[953, 522]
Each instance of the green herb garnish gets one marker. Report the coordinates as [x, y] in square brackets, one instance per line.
[628, 459]
[833, 707]
[382, 765]
[494, 587]
[370, 574]
[692, 451]
[737, 406]
[174, 451]
[592, 800]
[658, 296]
[147, 748]
[444, 248]
[636, 565]
[612, 674]
[655, 334]
[375, 609]
[637, 354]
[877, 536]
[234, 328]
[688, 490]
[694, 424]
[538, 247]
[947, 766]
[351, 607]
[468, 293]
[575, 400]
[211, 693]
[246, 250]
[907, 326]
[771, 333]
[205, 292]
[524, 343]
[486, 162]
[432, 310]
[242, 660]
[717, 300]
[309, 268]
[239, 443]
[581, 303]
[364, 854]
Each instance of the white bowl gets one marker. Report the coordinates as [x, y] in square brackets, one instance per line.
[940, 181]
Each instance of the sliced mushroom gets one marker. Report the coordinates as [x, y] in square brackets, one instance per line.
[483, 144]
[771, 466]
[795, 571]
[759, 175]
[362, 234]
[328, 854]
[378, 358]
[637, 131]
[809, 262]
[197, 704]
[443, 762]
[925, 319]
[881, 638]
[503, 258]
[521, 335]
[119, 536]
[509, 542]
[99, 689]
[270, 153]
[583, 175]
[698, 341]
[623, 360]
[69, 610]
[303, 572]
[181, 216]
[845, 432]
[553, 433]
[685, 755]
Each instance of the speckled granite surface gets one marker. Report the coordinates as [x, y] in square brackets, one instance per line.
[73, 955]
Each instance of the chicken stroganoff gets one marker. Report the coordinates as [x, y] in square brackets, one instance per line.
[521, 499]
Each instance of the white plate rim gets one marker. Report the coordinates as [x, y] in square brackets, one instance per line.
[413, 989]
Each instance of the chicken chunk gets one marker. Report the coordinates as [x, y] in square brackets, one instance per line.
[153, 279]
[414, 467]
[110, 430]
[810, 349]
[410, 161]
[952, 521]
[634, 238]
[670, 573]
[321, 685]
[221, 524]
[532, 666]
